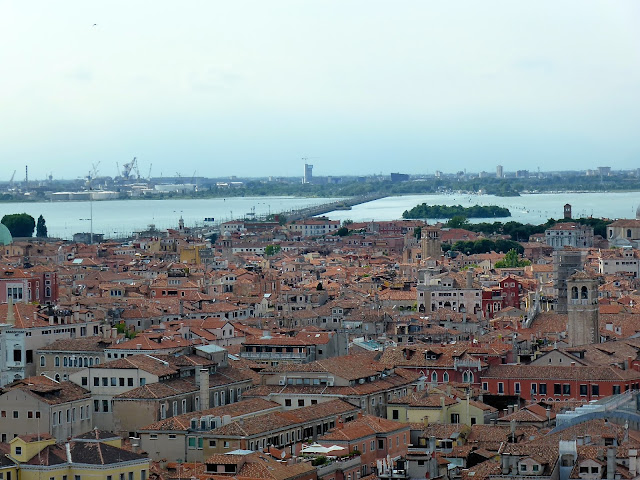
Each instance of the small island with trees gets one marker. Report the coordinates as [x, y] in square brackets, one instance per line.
[449, 211]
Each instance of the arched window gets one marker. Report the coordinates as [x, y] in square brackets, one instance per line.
[56, 361]
[584, 292]
[434, 377]
[628, 233]
[43, 362]
[574, 293]
[57, 377]
[91, 361]
[65, 362]
[97, 361]
[445, 377]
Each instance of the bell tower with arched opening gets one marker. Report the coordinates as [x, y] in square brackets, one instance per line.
[582, 309]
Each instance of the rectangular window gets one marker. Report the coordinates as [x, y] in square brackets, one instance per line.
[557, 389]
[616, 389]
[96, 382]
[543, 389]
[516, 387]
[534, 388]
[500, 387]
[566, 389]
[595, 390]
[583, 390]
[485, 386]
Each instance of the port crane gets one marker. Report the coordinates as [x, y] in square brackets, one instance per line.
[12, 176]
[129, 167]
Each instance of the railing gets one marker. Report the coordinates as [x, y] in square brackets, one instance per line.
[273, 355]
[581, 301]
[338, 464]
[466, 363]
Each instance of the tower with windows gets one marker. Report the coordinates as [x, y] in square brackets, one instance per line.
[582, 309]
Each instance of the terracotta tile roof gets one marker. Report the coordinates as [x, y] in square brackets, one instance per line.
[264, 423]
[364, 426]
[88, 453]
[244, 407]
[50, 392]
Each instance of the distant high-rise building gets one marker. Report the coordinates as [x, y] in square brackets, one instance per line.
[308, 173]
[399, 177]
[499, 172]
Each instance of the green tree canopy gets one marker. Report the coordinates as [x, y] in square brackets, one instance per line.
[511, 260]
[41, 228]
[19, 224]
[272, 250]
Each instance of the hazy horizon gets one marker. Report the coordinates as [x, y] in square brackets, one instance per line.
[249, 88]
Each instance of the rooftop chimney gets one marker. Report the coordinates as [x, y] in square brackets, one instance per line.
[633, 462]
[204, 389]
[611, 463]
[11, 319]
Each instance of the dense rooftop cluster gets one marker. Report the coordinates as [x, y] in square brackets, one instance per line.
[289, 351]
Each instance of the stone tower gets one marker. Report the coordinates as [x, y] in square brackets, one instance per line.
[583, 313]
[567, 211]
[431, 244]
[566, 262]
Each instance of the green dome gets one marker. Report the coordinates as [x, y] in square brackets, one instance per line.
[5, 235]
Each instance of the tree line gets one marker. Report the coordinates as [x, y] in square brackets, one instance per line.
[448, 211]
[23, 225]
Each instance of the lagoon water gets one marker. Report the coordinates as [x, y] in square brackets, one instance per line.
[122, 217]
[118, 218]
[530, 208]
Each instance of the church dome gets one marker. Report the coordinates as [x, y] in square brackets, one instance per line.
[5, 235]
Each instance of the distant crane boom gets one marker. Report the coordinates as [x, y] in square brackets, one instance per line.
[127, 168]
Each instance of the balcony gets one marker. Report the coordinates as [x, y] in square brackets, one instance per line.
[581, 301]
[338, 464]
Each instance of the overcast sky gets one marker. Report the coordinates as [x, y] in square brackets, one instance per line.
[243, 87]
